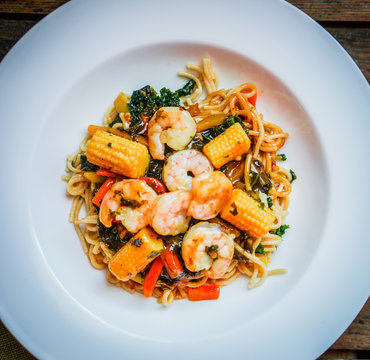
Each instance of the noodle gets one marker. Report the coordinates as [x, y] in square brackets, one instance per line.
[266, 140]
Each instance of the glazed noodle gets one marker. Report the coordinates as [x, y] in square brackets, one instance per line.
[205, 202]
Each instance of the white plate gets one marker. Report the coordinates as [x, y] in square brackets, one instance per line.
[62, 76]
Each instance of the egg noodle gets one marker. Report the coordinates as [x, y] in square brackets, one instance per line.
[266, 139]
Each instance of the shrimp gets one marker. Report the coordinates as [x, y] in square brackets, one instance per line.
[207, 247]
[210, 192]
[129, 201]
[172, 126]
[168, 215]
[180, 168]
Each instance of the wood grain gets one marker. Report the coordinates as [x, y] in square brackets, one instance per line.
[357, 335]
[30, 6]
[11, 31]
[356, 42]
[320, 10]
[335, 10]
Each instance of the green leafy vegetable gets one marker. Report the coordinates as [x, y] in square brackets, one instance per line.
[146, 101]
[281, 230]
[259, 179]
[155, 169]
[269, 202]
[213, 132]
[186, 89]
[281, 157]
[110, 236]
[260, 249]
[130, 203]
[86, 165]
[293, 175]
[117, 120]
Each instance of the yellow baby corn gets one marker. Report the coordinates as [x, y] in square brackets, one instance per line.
[229, 145]
[117, 154]
[247, 214]
[134, 256]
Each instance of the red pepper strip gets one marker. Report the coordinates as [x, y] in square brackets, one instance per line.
[97, 199]
[173, 263]
[105, 172]
[152, 277]
[253, 99]
[154, 183]
[204, 292]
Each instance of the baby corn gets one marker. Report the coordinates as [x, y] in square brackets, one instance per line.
[228, 146]
[117, 154]
[135, 255]
[247, 214]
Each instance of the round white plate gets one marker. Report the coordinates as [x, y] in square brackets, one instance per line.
[62, 76]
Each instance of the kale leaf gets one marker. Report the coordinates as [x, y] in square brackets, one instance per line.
[260, 249]
[294, 176]
[186, 89]
[110, 236]
[213, 132]
[155, 168]
[281, 157]
[86, 165]
[117, 120]
[281, 230]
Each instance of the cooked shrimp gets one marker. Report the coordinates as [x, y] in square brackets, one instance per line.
[182, 166]
[172, 126]
[129, 201]
[168, 215]
[210, 192]
[207, 247]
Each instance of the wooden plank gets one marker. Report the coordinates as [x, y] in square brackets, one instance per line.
[320, 10]
[11, 31]
[335, 10]
[30, 6]
[356, 42]
[357, 336]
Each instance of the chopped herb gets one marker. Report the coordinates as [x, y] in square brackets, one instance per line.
[154, 254]
[110, 144]
[234, 210]
[281, 157]
[130, 203]
[281, 230]
[137, 242]
[269, 202]
[260, 249]
[262, 205]
[86, 165]
[293, 175]
[253, 108]
[212, 251]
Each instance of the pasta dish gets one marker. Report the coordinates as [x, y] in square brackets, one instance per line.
[181, 192]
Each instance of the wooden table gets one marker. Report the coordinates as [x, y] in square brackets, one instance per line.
[347, 20]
